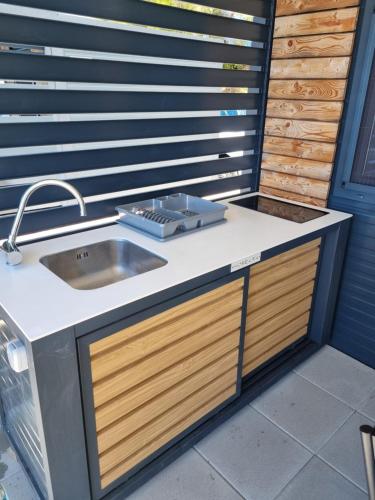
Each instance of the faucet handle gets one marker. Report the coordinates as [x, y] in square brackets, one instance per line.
[12, 254]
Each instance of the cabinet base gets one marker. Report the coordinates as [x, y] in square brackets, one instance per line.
[253, 385]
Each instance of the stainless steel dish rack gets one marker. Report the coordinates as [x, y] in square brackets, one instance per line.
[171, 215]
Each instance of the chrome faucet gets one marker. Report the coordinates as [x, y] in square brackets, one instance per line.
[13, 254]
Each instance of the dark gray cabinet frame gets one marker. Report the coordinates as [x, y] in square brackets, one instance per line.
[60, 384]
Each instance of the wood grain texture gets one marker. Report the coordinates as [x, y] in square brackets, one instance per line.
[283, 270]
[297, 166]
[286, 7]
[124, 449]
[292, 196]
[302, 129]
[330, 67]
[267, 355]
[292, 183]
[278, 289]
[124, 380]
[154, 445]
[330, 21]
[215, 314]
[289, 323]
[282, 258]
[310, 150]
[337, 44]
[305, 109]
[129, 401]
[317, 90]
[287, 300]
[133, 421]
[112, 342]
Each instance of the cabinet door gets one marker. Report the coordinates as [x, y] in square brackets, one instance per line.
[279, 303]
[156, 378]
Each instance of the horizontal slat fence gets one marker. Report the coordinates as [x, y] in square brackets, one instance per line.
[311, 55]
[126, 99]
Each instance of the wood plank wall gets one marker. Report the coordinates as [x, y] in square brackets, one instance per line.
[312, 47]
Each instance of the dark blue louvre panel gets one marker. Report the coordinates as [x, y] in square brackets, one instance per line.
[126, 99]
[354, 330]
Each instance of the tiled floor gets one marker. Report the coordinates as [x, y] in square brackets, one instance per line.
[298, 441]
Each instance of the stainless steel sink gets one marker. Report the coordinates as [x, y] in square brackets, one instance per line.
[100, 264]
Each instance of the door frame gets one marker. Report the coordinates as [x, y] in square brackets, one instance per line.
[362, 58]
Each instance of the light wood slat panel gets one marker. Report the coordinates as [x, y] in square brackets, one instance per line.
[305, 110]
[297, 166]
[167, 333]
[330, 21]
[187, 369]
[320, 90]
[268, 343]
[287, 300]
[291, 320]
[162, 404]
[310, 150]
[283, 270]
[275, 350]
[124, 380]
[160, 425]
[130, 422]
[278, 289]
[293, 196]
[331, 67]
[170, 434]
[337, 44]
[283, 257]
[302, 129]
[142, 327]
[285, 7]
[299, 185]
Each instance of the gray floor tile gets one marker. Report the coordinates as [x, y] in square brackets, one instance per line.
[18, 487]
[368, 407]
[317, 481]
[306, 412]
[340, 375]
[188, 478]
[9, 463]
[254, 455]
[344, 450]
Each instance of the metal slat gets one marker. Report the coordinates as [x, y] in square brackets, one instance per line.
[133, 180]
[143, 13]
[33, 31]
[66, 69]
[47, 164]
[38, 101]
[258, 8]
[37, 221]
[33, 134]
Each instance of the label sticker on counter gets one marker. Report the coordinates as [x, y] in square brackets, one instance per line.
[247, 261]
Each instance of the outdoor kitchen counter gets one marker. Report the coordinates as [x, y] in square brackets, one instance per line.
[40, 303]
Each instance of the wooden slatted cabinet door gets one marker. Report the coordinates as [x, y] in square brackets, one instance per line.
[157, 378]
[279, 303]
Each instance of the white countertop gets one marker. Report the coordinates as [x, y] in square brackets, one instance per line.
[40, 303]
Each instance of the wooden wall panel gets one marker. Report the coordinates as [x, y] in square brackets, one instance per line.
[285, 7]
[304, 110]
[321, 90]
[339, 44]
[311, 56]
[331, 67]
[332, 21]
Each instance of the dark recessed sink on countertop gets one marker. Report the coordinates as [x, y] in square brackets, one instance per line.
[281, 209]
[100, 264]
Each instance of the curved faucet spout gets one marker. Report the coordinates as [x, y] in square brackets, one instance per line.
[13, 254]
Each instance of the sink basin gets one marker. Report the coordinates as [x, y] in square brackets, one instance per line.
[100, 264]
